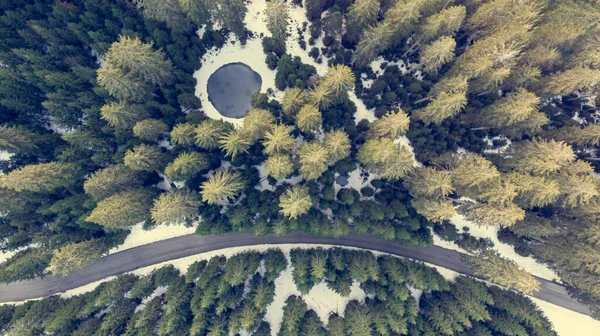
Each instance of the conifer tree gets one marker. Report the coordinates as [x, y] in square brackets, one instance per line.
[175, 207]
[437, 53]
[144, 158]
[535, 191]
[278, 140]
[385, 158]
[429, 182]
[572, 80]
[277, 19]
[577, 190]
[435, 211]
[150, 129]
[15, 140]
[41, 177]
[122, 210]
[235, 142]
[110, 180]
[373, 41]
[576, 135]
[221, 186]
[391, 125]
[168, 11]
[444, 23]
[122, 114]
[121, 86]
[338, 80]
[279, 166]
[320, 97]
[540, 156]
[502, 271]
[76, 256]
[256, 123]
[338, 145]
[183, 134]
[293, 100]
[308, 119]
[210, 131]
[449, 99]
[473, 171]
[487, 214]
[186, 165]
[361, 14]
[313, 158]
[295, 201]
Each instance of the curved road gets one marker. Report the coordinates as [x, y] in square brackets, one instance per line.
[184, 246]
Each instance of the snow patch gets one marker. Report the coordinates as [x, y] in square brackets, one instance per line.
[139, 236]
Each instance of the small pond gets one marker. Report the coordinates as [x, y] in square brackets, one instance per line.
[230, 88]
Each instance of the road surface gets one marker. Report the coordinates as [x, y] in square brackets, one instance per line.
[184, 246]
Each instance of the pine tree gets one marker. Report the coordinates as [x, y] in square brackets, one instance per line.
[391, 125]
[279, 166]
[313, 158]
[235, 142]
[16, 140]
[122, 115]
[183, 134]
[122, 86]
[277, 19]
[358, 319]
[293, 100]
[577, 190]
[473, 171]
[535, 191]
[229, 14]
[575, 135]
[186, 166]
[278, 140]
[429, 182]
[338, 80]
[150, 129]
[502, 271]
[434, 211]
[209, 131]
[76, 256]
[122, 210]
[373, 41]
[320, 97]
[168, 11]
[175, 207]
[515, 107]
[308, 119]
[495, 214]
[144, 158]
[437, 53]
[109, 181]
[444, 23]
[361, 14]
[41, 177]
[572, 80]
[221, 186]
[295, 201]
[338, 145]
[385, 158]
[540, 156]
[449, 99]
[256, 123]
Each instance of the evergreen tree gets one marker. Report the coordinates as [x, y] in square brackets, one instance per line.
[210, 131]
[313, 158]
[449, 99]
[279, 166]
[338, 145]
[168, 11]
[221, 186]
[235, 142]
[473, 171]
[391, 125]
[338, 80]
[122, 114]
[42, 177]
[373, 41]
[144, 158]
[256, 123]
[277, 19]
[294, 202]
[15, 140]
[444, 23]
[76, 256]
[490, 214]
[361, 14]
[186, 166]
[109, 181]
[278, 140]
[320, 97]
[293, 100]
[122, 210]
[540, 156]
[513, 108]
[175, 207]
[437, 53]
[183, 134]
[150, 129]
[385, 158]
[575, 135]
[435, 211]
[535, 191]
[429, 182]
[308, 119]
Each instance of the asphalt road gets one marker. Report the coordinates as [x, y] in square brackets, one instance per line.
[184, 246]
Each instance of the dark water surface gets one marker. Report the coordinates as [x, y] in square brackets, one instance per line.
[230, 88]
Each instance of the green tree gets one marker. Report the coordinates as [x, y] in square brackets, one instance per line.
[109, 181]
[391, 125]
[175, 207]
[279, 166]
[361, 14]
[295, 201]
[293, 100]
[513, 108]
[308, 119]
[186, 166]
[150, 129]
[576, 135]
[235, 142]
[320, 97]
[183, 134]
[358, 319]
[13, 139]
[122, 210]
[433, 210]
[439, 52]
[444, 23]
[429, 182]
[313, 158]
[229, 14]
[502, 271]
[210, 131]
[256, 123]
[449, 99]
[277, 19]
[473, 171]
[41, 177]
[221, 186]
[144, 158]
[337, 144]
[540, 156]
[278, 140]
[499, 215]
[76, 256]
[338, 80]
[385, 158]
[374, 40]
[168, 11]
[122, 114]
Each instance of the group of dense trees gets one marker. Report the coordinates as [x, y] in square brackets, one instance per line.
[225, 296]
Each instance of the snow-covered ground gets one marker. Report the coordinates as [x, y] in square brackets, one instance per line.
[139, 236]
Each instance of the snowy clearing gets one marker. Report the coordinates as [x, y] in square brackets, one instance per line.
[139, 236]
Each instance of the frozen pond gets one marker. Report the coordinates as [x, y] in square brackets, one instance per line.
[230, 88]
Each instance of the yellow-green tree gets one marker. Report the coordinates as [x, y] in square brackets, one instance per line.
[76, 256]
[122, 114]
[167, 11]
[13, 139]
[41, 177]
[183, 134]
[221, 186]
[444, 23]
[278, 139]
[277, 19]
[320, 97]
[122, 210]
[279, 166]
[540, 156]
[186, 165]
[361, 14]
[144, 158]
[473, 171]
[312, 158]
[308, 118]
[110, 180]
[515, 107]
[175, 207]
[429, 182]
[437, 53]
[338, 80]
[235, 142]
[293, 100]
[295, 201]
[385, 158]
[256, 123]
[576, 135]
[390, 125]
[337, 144]
[210, 131]
[150, 129]
[434, 210]
[449, 98]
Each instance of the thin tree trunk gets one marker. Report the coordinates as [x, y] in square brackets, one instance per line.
[422, 100]
[479, 128]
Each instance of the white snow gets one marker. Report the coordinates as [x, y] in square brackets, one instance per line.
[51, 125]
[164, 183]
[139, 236]
[567, 322]
[5, 156]
[264, 183]
[160, 290]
